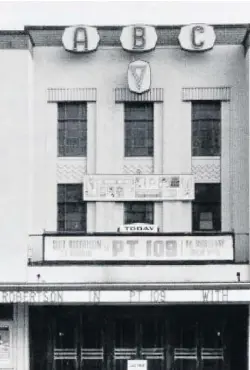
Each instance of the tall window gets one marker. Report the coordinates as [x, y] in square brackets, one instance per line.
[71, 214]
[142, 212]
[206, 128]
[139, 130]
[72, 129]
[207, 207]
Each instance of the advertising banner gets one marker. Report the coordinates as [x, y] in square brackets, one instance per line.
[138, 248]
[138, 187]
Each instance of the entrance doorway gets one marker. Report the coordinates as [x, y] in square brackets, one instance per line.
[168, 337]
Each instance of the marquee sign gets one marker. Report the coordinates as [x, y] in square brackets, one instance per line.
[128, 296]
[197, 37]
[138, 187]
[138, 228]
[138, 248]
[139, 76]
[80, 39]
[138, 38]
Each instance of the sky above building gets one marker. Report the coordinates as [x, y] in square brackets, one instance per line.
[17, 14]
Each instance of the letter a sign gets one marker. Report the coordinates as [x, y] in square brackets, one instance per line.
[80, 39]
[139, 76]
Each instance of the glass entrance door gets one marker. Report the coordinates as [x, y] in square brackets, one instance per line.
[139, 336]
[169, 338]
[91, 342]
[65, 339]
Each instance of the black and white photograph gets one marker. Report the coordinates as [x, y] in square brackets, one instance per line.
[124, 185]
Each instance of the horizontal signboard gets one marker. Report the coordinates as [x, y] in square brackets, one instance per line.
[138, 228]
[138, 248]
[161, 296]
[138, 187]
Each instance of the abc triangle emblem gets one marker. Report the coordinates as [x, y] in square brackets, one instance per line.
[139, 76]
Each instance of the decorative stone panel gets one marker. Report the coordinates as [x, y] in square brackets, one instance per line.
[153, 95]
[206, 93]
[74, 94]
[137, 166]
[206, 169]
[71, 171]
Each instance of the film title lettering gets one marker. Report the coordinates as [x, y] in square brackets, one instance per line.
[158, 296]
[32, 297]
[118, 246]
[134, 296]
[220, 295]
[94, 296]
[160, 248]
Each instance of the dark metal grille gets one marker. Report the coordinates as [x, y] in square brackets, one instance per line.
[71, 208]
[206, 128]
[139, 130]
[72, 129]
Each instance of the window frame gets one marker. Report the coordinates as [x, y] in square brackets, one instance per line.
[141, 125]
[214, 206]
[199, 150]
[63, 129]
[147, 219]
[64, 205]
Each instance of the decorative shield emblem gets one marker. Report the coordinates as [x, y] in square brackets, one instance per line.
[139, 76]
[138, 38]
[80, 39]
[197, 37]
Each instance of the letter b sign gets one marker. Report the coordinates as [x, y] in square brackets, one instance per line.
[138, 38]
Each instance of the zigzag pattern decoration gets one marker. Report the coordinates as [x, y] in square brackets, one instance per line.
[137, 168]
[207, 172]
[71, 172]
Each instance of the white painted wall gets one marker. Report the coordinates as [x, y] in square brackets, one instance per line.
[172, 69]
[14, 162]
[23, 113]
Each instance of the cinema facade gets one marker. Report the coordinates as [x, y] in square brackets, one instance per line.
[125, 198]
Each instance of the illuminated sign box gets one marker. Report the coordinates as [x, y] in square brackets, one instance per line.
[127, 296]
[138, 187]
[138, 248]
[138, 228]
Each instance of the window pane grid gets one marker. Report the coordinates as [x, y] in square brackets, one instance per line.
[138, 129]
[72, 129]
[142, 212]
[206, 129]
[71, 209]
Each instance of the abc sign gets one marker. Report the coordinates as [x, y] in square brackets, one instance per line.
[197, 37]
[80, 39]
